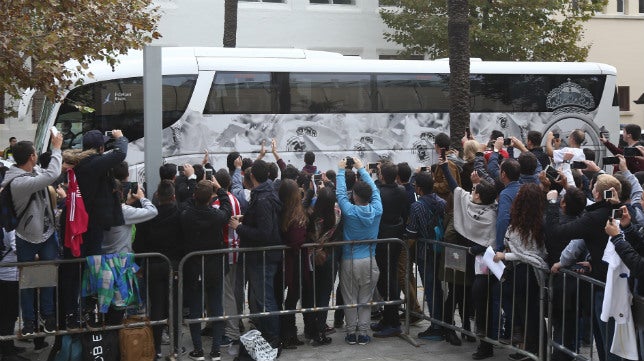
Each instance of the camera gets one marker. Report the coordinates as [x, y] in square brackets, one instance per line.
[608, 194]
[372, 167]
[349, 161]
[208, 173]
[423, 169]
[577, 164]
[556, 135]
[617, 214]
[610, 160]
[507, 142]
[108, 133]
[603, 135]
[631, 152]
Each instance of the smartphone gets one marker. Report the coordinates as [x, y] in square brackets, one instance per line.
[180, 168]
[208, 174]
[617, 213]
[108, 133]
[603, 135]
[556, 135]
[54, 131]
[577, 164]
[134, 188]
[349, 162]
[507, 142]
[423, 169]
[480, 173]
[608, 194]
[552, 173]
[317, 178]
[579, 268]
[631, 152]
[610, 160]
[372, 166]
[443, 155]
[468, 134]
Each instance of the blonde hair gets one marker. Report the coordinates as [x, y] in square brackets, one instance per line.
[605, 182]
[469, 150]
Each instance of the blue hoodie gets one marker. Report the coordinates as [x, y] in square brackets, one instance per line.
[360, 222]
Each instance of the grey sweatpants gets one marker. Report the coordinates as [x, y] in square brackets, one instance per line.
[233, 286]
[358, 279]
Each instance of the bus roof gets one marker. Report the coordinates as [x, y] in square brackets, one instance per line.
[181, 60]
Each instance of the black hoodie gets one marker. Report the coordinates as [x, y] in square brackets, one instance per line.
[260, 225]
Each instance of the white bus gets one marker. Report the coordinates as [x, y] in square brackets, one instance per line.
[228, 100]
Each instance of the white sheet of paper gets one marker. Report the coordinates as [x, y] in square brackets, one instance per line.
[495, 267]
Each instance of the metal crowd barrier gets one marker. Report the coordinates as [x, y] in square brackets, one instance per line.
[565, 306]
[304, 257]
[41, 274]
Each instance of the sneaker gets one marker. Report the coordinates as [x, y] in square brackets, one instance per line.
[320, 341]
[363, 339]
[351, 339]
[376, 315]
[159, 356]
[226, 341]
[518, 357]
[180, 352]
[431, 334]
[377, 326]
[165, 338]
[388, 332]
[483, 351]
[49, 324]
[196, 355]
[329, 330]
[28, 328]
[215, 355]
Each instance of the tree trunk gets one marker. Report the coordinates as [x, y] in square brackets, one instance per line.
[459, 64]
[230, 23]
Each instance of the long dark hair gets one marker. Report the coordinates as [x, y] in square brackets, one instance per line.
[293, 210]
[324, 208]
[526, 214]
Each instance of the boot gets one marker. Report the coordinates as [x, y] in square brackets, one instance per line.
[483, 351]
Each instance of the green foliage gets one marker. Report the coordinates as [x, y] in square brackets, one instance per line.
[529, 30]
[38, 37]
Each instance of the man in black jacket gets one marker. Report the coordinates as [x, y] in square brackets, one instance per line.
[202, 227]
[395, 208]
[260, 228]
[97, 187]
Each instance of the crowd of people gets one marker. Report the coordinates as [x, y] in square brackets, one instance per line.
[539, 209]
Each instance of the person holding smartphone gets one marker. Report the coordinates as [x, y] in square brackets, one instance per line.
[632, 134]
[589, 227]
[441, 187]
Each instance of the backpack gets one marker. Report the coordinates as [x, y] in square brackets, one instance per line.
[71, 349]
[9, 219]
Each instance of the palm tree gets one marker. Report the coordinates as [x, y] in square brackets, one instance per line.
[230, 23]
[459, 64]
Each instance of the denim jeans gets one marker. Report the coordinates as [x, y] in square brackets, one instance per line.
[26, 252]
[211, 290]
[260, 272]
[427, 262]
